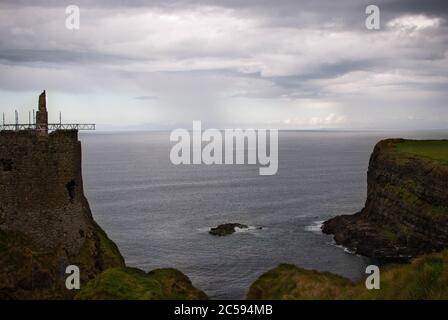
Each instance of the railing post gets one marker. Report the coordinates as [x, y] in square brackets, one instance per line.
[17, 119]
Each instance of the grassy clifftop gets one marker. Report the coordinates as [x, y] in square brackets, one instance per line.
[430, 149]
[425, 278]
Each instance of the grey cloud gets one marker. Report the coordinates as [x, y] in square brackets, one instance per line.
[326, 71]
[12, 56]
[284, 7]
[288, 49]
[146, 98]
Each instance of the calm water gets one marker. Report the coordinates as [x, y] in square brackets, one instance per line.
[159, 214]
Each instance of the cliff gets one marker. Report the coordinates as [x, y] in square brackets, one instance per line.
[406, 211]
[46, 224]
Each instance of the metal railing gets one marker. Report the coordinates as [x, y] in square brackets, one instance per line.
[50, 127]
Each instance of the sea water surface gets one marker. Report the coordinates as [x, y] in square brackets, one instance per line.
[159, 214]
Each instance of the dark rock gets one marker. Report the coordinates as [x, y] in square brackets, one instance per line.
[226, 229]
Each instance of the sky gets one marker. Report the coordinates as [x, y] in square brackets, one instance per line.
[283, 64]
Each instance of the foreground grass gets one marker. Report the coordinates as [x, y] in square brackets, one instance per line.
[425, 278]
[135, 284]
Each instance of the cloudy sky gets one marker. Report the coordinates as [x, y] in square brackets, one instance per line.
[281, 64]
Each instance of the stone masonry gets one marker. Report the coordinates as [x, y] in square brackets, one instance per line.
[41, 187]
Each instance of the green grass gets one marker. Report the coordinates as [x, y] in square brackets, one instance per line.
[431, 149]
[425, 278]
[21, 261]
[135, 284]
[390, 234]
[288, 282]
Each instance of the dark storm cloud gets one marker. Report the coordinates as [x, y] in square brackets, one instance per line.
[346, 15]
[429, 7]
[432, 7]
[295, 13]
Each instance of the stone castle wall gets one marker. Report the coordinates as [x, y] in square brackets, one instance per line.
[41, 188]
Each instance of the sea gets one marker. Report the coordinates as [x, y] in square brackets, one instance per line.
[159, 214]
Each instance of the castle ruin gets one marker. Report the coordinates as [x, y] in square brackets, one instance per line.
[42, 115]
[40, 124]
[41, 187]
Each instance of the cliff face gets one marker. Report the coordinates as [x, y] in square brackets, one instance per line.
[406, 211]
[45, 219]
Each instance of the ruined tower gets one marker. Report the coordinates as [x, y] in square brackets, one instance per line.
[42, 116]
[45, 219]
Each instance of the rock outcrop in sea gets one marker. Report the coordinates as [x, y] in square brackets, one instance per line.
[226, 229]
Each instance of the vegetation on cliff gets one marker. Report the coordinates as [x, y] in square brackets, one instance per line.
[135, 284]
[425, 278]
[29, 272]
